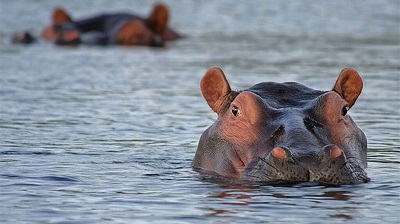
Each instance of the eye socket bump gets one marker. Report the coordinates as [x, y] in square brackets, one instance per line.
[235, 111]
[345, 109]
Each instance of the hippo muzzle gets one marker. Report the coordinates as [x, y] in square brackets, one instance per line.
[330, 166]
[283, 132]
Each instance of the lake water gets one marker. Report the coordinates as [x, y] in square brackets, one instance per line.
[107, 134]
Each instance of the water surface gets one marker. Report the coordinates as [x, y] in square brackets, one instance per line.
[107, 134]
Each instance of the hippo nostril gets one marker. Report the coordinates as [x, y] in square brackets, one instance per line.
[335, 152]
[332, 154]
[279, 153]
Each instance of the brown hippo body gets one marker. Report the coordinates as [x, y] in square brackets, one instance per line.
[283, 132]
[118, 28]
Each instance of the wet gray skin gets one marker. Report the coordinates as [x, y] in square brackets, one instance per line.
[283, 132]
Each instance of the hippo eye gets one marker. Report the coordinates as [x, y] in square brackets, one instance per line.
[344, 110]
[235, 110]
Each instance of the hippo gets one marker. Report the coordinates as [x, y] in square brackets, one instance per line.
[110, 29]
[283, 132]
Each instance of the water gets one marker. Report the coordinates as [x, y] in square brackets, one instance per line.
[107, 135]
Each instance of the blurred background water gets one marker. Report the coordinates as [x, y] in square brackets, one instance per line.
[107, 134]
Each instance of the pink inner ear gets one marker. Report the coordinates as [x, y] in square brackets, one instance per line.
[215, 88]
[349, 85]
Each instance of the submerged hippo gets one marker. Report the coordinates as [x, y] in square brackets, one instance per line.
[109, 29]
[283, 132]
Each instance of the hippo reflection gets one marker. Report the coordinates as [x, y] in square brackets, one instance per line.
[283, 132]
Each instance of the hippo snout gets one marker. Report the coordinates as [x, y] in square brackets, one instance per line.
[335, 168]
[329, 166]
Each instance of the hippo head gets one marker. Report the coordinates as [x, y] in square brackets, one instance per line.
[283, 132]
[59, 16]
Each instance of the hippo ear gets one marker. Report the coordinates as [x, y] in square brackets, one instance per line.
[158, 19]
[60, 16]
[349, 85]
[215, 88]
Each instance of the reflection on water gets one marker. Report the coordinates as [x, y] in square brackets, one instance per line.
[230, 200]
[108, 134]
